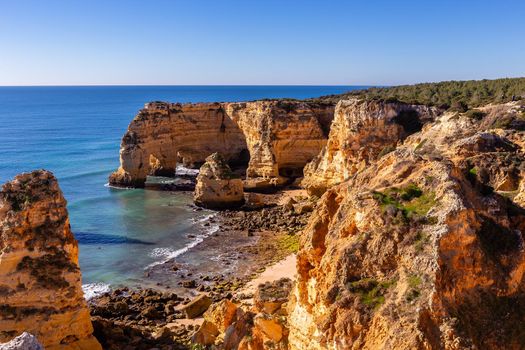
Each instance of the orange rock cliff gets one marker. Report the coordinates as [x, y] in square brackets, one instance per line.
[40, 282]
[423, 247]
[277, 137]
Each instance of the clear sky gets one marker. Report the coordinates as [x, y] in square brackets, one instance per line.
[74, 42]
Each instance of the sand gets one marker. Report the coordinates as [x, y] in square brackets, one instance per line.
[284, 268]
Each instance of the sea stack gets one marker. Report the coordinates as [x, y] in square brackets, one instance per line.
[217, 186]
[40, 281]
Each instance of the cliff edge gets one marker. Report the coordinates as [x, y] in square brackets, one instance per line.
[423, 247]
[40, 281]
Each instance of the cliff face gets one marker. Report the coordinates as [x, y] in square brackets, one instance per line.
[422, 249]
[279, 137]
[282, 136]
[362, 131]
[40, 282]
[163, 134]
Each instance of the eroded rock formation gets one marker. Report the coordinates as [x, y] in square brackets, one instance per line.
[217, 186]
[282, 136]
[362, 131]
[279, 137]
[163, 134]
[421, 249]
[262, 326]
[40, 282]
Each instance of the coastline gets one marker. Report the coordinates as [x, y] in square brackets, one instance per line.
[242, 249]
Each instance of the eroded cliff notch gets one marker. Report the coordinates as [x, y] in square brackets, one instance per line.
[275, 139]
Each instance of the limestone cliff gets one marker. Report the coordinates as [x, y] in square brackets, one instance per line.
[421, 249]
[40, 282]
[163, 134]
[217, 187]
[279, 137]
[282, 136]
[360, 132]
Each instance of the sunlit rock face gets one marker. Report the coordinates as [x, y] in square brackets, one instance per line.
[360, 132]
[40, 281]
[163, 134]
[282, 136]
[275, 138]
[217, 186]
[422, 248]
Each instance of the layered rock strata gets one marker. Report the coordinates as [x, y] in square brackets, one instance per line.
[282, 136]
[421, 249]
[163, 134]
[278, 138]
[360, 132]
[40, 282]
[217, 186]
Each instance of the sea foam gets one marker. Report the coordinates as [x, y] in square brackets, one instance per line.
[165, 254]
[92, 290]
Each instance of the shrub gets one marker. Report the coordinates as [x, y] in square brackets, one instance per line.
[371, 292]
[410, 200]
[453, 94]
[475, 114]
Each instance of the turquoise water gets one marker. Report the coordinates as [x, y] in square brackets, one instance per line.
[75, 132]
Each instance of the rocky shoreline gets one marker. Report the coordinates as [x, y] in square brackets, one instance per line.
[415, 242]
[257, 237]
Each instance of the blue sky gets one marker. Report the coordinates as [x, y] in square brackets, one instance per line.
[176, 42]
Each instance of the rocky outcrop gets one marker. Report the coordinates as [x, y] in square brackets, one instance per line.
[282, 136]
[24, 341]
[40, 282]
[418, 250]
[217, 186]
[262, 326]
[163, 134]
[361, 132]
[279, 137]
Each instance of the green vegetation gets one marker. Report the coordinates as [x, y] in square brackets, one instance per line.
[410, 200]
[195, 346]
[456, 95]
[289, 243]
[420, 242]
[475, 114]
[370, 291]
[414, 281]
[386, 150]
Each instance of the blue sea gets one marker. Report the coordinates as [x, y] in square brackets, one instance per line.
[75, 132]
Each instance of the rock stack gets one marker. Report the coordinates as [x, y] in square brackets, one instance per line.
[40, 281]
[217, 186]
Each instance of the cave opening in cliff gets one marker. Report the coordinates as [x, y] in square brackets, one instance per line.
[409, 120]
[239, 164]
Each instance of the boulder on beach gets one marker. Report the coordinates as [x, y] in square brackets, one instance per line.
[197, 306]
[217, 186]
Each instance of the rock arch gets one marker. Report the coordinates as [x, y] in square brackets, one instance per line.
[277, 137]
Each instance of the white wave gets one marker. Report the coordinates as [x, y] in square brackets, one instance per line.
[92, 290]
[166, 254]
[204, 218]
[182, 170]
[118, 187]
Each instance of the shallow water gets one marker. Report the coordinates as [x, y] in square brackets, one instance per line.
[75, 132]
